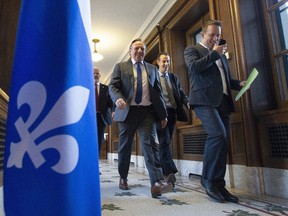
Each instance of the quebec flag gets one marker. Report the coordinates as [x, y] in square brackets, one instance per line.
[51, 153]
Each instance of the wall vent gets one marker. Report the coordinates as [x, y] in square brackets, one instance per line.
[194, 143]
[278, 135]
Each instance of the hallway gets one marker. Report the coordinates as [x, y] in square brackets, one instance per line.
[187, 198]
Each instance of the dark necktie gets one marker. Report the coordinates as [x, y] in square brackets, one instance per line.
[97, 98]
[170, 92]
[138, 97]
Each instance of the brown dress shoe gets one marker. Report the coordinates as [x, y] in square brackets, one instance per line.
[123, 185]
[160, 187]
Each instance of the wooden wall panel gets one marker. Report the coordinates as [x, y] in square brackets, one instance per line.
[234, 30]
[9, 12]
[255, 43]
[250, 139]
[3, 119]
[273, 137]
[237, 145]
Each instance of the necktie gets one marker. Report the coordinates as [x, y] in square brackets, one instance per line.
[223, 76]
[97, 98]
[170, 92]
[138, 97]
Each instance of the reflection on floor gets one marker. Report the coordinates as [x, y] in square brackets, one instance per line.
[187, 198]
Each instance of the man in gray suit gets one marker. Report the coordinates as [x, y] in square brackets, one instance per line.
[210, 96]
[135, 90]
[175, 98]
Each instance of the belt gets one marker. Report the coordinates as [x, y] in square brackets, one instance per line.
[141, 106]
[170, 108]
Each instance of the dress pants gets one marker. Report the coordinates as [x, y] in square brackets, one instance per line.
[139, 118]
[216, 122]
[100, 131]
[165, 137]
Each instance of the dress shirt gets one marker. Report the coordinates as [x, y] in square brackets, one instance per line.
[220, 66]
[145, 88]
[165, 91]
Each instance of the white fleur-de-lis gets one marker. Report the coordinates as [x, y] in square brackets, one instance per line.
[67, 110]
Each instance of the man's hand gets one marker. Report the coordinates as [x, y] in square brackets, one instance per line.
[243, 83]
[164, 122]
[120, 103]
[221, 49]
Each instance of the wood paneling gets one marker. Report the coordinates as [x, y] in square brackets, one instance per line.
[266, 120]
[245, 34]
[9, 12]
[3, 118]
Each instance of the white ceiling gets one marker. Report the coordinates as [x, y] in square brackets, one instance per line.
[116, 23]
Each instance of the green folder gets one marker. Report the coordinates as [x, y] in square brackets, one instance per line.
[249, 81]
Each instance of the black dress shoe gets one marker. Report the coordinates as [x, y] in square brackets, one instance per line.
[215, 194]
[170, 179]
[228, 196]
[202, 182]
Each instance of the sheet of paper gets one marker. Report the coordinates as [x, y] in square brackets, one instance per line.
[249, 81]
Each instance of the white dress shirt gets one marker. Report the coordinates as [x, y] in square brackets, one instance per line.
[145, 88]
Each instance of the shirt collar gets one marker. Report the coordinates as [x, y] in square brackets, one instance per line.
[134, 62]
[204, 45]
[165, 74]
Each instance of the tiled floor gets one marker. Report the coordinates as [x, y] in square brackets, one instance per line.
[188, 198]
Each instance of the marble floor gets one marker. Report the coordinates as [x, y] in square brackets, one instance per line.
[187, 198]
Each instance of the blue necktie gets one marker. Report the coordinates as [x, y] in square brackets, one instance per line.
[138, 97]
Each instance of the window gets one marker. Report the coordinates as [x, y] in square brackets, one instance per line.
[197, 36]
[277, 11]
[193, 35]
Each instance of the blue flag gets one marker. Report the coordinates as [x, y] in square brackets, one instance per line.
[51, 153]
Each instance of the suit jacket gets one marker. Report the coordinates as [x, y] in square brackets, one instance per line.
[105, 104]
[122, 86]
[206, 86]
[180, 97]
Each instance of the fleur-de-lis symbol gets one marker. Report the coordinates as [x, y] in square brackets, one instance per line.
[66, 111]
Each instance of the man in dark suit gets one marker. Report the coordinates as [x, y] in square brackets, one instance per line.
[210, 96]
[175, 98]
[136, 92]
[104, 107]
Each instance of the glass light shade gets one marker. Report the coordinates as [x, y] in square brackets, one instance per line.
[96, 57]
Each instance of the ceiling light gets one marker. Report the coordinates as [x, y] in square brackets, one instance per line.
[96, 56]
